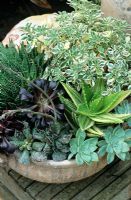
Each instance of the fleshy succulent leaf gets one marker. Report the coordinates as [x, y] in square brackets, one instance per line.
[116, 143]
[85, 122]
[25, 157]
[96, 105]
[110, 157]
[83, 150]
[83, 109]
[69, 106]
[107, 119]
[73, 94]
[99, 88]
[86, 92]
[112, 100]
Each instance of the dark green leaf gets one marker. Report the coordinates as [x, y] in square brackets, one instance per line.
[59, 156]
[83, 109]
[38, 146]
[38, 156]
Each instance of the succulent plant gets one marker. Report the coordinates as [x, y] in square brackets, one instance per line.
[39, 145]
[43, 95]
[56, 139]
[124, 108]
[7, 129]
[117, 142]
[90, 107]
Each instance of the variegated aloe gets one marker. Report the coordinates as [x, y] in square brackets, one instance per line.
[91, 107]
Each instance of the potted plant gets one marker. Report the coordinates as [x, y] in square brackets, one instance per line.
[65, 97]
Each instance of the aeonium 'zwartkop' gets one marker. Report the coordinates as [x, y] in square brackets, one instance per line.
[91, 107]
[42, 96]
[7, 129]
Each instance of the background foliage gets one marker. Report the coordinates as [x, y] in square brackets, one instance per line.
[17, 68]
[85, 46]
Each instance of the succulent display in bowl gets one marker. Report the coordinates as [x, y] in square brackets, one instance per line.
[66, 94]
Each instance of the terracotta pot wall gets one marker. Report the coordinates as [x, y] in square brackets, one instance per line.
[117, 8]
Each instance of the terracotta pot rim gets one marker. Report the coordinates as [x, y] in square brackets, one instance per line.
[65, 163]
[46, 163]
[53, 172]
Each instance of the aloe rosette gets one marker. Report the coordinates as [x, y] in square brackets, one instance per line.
[90, 107]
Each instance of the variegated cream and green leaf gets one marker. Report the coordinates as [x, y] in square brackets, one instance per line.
[91, 107]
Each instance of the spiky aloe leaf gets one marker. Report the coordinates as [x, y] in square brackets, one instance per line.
[69, 106]
[95, 131]
[85, 122]
[96, 105]
[107, 118]
[111, 101]
[73, 94]
[86, 92]
[98, 88]
[83, 109]
[122, 116]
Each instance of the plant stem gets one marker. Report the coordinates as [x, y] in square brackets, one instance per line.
[12, 112]
[36, 86]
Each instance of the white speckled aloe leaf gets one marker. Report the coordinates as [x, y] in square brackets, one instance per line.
[73, 94]
[111, 101]
[87, 92]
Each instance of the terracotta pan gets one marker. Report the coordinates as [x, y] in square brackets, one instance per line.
[51, 171]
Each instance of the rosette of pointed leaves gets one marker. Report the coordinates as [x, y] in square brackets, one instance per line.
[43, 94]
[7, 129]
[83, 150]
[39, 145]
[56, 139]
[91, 107]
[124, 108]
[117, 143]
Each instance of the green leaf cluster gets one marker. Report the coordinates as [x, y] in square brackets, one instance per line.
[23, 141]
[17, 68]
[40, 145]
[84, 150]
[90, 106]
[117, 142]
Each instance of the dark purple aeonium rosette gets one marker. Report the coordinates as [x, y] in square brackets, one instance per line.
[7, 130]
[42, 96]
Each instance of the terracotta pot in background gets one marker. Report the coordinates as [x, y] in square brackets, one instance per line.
[15, 35]
[117, 8]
